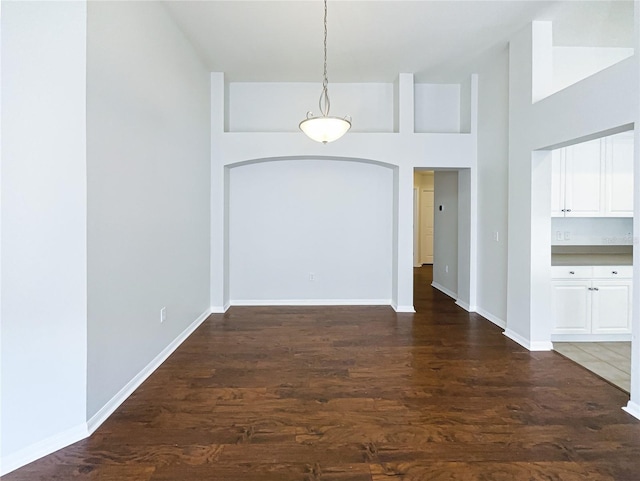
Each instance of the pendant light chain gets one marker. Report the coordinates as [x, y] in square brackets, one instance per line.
[324, 96]
[324, 128]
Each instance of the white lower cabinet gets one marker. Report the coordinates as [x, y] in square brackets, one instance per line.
[572, 307]
[611, 307]
[591, 300]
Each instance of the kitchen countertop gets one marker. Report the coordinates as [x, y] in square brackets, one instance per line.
[591, 259]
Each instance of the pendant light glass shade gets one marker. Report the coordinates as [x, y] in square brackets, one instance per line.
[325, 128]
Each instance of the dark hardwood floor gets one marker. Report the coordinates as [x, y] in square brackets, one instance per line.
[358, 394]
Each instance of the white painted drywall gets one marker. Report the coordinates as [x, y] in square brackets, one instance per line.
[44, 248]
[597, 105]
[634, 403]
[572, 64]
[445, 231]
[466, 105]
[591, 231]
[493, 141]
[281, 106]
[437, 108]
[289, 220]
[466, 239]
[148, 118]
[402, 152]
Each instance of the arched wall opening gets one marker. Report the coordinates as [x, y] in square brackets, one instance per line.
[596, 234]
[311, 231]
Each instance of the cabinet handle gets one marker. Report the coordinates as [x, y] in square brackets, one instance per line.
[571, 272]
[614, 272]
[590, 288]
[564, 210]
[596, 289]
[568, 210]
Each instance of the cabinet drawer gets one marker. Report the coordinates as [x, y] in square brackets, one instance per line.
[613, 272]
[571, 272]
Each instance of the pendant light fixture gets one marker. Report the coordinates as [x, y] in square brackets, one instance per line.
[325, 128]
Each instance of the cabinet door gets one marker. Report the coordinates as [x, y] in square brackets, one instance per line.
[571, 301]
[584, 186]
[611, 307]
[619, 176]
[557, 183]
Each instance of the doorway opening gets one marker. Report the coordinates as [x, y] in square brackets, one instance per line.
[423, 217]
[444, 231]
[591, 239]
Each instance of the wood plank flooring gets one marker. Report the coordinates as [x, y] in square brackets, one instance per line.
[358, 394]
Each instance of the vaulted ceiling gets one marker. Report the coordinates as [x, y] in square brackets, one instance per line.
[372, 41]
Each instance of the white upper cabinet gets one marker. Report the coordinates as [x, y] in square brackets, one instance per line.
[584, 180]
[619, 176]
[593, 179]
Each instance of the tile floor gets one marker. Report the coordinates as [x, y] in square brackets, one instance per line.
[609, 360]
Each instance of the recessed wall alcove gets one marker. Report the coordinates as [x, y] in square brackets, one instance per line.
[314, 230]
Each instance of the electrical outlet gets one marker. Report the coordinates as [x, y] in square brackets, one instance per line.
[558, 235]
[496, 236]
[446, 269]
[163, 314]
[567, 235]
[312, 276]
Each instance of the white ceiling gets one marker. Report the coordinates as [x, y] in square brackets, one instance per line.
[372, 41]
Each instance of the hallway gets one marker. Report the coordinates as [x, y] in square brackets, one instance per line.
[358, 394]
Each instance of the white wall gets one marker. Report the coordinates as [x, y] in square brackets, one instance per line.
[591, 231]
[445, 232]
[43, 390]
[595, 106]
[402, 152]
[467, 186]
[437, 108]
[148, 115]
[290, 219]
[493, 164]
[572, 64]
[634, 402]
[280, 107]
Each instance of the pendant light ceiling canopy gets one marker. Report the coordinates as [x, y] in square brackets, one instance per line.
[325, 128]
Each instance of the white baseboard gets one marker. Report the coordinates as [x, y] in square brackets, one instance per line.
[323, 302]
[42, 448]
[490, 317]
[633, 409]
[61, 440]
[541, 346]
[401, 308]
[311, 302]
[220, 309]
[527, 344]
[464, 305]
[101, 416]
[517, 338]
[444, 290]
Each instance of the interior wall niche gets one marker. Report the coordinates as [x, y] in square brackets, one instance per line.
[279, 107]
[310, 230]
[437, 108]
